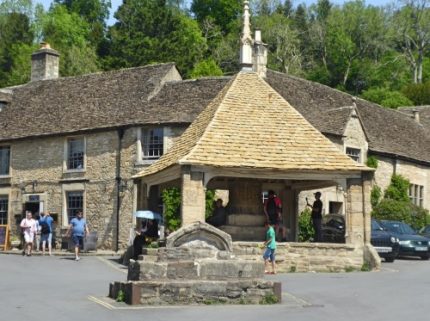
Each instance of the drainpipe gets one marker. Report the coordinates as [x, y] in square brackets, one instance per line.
[120, 132]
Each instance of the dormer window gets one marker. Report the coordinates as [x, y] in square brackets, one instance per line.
[354, 153]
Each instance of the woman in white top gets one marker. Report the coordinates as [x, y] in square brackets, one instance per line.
[28, 225]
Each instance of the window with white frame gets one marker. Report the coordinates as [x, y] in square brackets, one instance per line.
[152, 142]
[416, 194]
[74, 203]
[4, 205]
[4, 160]
[75, 153]
[354, 153]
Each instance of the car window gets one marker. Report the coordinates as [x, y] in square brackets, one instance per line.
[399, 227]
[376, 226]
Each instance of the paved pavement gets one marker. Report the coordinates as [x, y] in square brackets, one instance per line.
[58, 288]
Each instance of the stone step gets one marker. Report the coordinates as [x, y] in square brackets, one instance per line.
[246, 220]
[245, 233]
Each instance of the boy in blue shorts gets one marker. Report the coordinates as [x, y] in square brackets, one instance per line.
[270, 244]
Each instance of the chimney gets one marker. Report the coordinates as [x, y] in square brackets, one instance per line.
[416, 115]
[259, 59]
[246, 41]
[45, 63]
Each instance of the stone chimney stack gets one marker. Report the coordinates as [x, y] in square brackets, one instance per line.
[45, 63]
[246, 40]
[259, 59]
[416, 115]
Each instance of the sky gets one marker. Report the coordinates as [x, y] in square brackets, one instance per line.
[116, 3]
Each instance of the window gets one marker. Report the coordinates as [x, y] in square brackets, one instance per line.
[354, 153]
[416, 194]
[3, 209]
[75, 203]
[4, 160]
[75, 153]
[152, 143]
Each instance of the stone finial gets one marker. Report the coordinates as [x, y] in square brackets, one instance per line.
[45, 63]
[246, 40]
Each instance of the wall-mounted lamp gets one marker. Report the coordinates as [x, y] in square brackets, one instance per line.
[23, 185]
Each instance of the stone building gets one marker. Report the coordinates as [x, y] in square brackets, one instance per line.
[75, 143]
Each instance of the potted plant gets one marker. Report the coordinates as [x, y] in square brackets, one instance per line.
[15, 242]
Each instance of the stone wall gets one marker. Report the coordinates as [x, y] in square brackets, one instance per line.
[38, 170]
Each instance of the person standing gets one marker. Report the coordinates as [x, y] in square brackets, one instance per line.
[316, 216]
[219, 216]
[28, 226]
[269, 253]
[36, 244]
[273, 212]
[46, 232]
[78, 229]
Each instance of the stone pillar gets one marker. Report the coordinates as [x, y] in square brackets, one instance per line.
[245, 198]
[355, 211]
[193, 205]
[367, 178]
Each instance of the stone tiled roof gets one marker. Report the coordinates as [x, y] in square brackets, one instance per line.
[78, 103]
[387, 130]
[249, 125]
[424, 113]
[104, 100]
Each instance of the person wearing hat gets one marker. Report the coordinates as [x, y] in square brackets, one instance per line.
[316, 216]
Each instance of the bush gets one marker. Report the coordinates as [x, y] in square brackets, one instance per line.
[398, 189]
[419, 94]
[306, 229]
[386, 97]
[372, 162]
[375, 195]
[172, 202]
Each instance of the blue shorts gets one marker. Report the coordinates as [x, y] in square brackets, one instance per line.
[269, 254]
[78, 240]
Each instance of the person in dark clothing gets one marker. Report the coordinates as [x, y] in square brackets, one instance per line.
[219, 216]
[151, 229]
[316, 216]
[273, 209]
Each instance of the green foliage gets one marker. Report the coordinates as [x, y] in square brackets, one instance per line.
[120, 296]
[172, 202]
[269, 299]
[386, 97]
[365, 267]
[419, 94]
[372, 162]
[209, 201]
[293, 269]
[398, 189]
[375, 195]
[349, 269]
[306, 230]
[206, 68]
[151, 31]
[222, 12]
[420, 217]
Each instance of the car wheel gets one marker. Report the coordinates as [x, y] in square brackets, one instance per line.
[425, 257]
[389, 259]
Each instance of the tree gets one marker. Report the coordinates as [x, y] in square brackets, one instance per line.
[223, 12]
[411, 28]
[150, 31]
[94, 12]
[386, 97]
[68, 33]
[419, 94]
[206, 68]
[15, 32]
[398, 189]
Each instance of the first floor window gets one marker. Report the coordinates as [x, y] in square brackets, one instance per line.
[416, 194]
[4, 202]
[354, 153]
[4, 160]
[152, 143]
[75, 153]
[75, 203]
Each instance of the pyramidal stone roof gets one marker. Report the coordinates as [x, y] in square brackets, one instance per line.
[249, 125]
